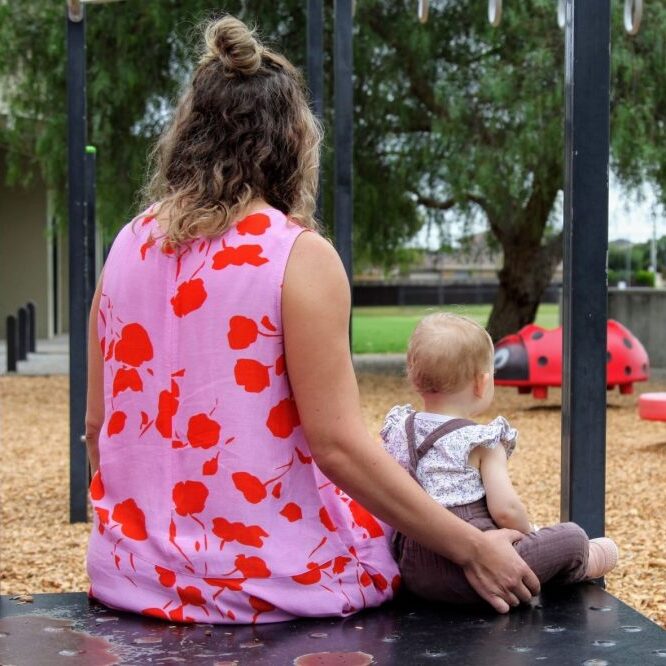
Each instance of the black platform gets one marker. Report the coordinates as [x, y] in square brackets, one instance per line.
[576, 625]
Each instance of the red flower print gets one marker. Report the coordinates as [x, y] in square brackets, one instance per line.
[363, 518]
[146, 246]
[116, 423]
[251, 375]
[131, 519]
[233, 584]
[166, 576]
[109, 353]
[365, 579]
[167, 407]
[252, 488]
[255, 224]
[189, 296]
[210, 466]
[248, 535]
[268, 324]
[155, 612]
[380, 582]
[292, 512]
[252, 567]
[242, 332]
[177, 615]
[148, 219]
[313, 575]
[280, 365]
[260, 606]
[395, 583]
[103, 516]
[134, 346]
[96, 486]
[277, 490]
[306, 460]
[339, 564]
[326, 520]
[238, 256]
[189, 497]
[283, 418]
[191, 596]
[202, 431]
[125, 380]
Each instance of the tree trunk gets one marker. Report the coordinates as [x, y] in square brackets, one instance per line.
[525, 275]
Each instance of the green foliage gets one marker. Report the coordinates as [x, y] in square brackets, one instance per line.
[644, 279]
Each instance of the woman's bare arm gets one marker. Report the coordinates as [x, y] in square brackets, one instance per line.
[315, 310]
[95, 405]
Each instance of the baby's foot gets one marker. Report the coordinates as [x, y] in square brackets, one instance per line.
[602, 558]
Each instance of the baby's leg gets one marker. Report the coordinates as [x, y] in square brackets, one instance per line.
[558, 553]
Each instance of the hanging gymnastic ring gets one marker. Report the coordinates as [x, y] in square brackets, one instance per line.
[561, 13]
[495, 12]
[633, 13]
[423, 11]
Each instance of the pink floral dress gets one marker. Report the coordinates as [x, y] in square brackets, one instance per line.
[208, 505]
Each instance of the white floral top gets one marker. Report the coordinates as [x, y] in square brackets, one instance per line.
[444, 471]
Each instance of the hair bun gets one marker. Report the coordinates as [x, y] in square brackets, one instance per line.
[232, 42]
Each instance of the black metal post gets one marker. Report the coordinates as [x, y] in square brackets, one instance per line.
[76, 99]
[587, 81]
[12, 344]
[22, 334]
[315, 69]
[344, 132]
[32, 327]
[90, 264]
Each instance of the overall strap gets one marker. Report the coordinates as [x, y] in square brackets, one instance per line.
[417, 453]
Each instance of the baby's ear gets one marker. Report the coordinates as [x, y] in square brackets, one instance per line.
[480, 384]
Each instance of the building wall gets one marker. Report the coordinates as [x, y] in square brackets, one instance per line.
[643, 312]
[24, 251]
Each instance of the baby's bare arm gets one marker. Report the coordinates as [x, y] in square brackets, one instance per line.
[504, 504]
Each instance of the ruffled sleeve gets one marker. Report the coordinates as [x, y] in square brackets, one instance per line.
[497, 432]
[395, 418]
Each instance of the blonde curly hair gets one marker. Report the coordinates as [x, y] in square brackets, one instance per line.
[242, 130]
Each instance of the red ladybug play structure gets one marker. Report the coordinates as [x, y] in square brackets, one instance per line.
[531, 359]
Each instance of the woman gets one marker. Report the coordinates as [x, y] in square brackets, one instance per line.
[233, 472]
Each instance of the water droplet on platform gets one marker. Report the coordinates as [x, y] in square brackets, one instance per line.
[318, 634]
[391, 638]
[553, 629]
[604, 643]
[520, 648]
[70, 653]
[3, 634]
[630, 628]
[595, 662]
[603, 609]
[147, 640]
[659, 653]
[435, 654]
[53, 630]
[111, 618]
[250, 645]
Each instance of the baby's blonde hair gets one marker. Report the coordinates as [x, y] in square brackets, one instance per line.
[446, 352]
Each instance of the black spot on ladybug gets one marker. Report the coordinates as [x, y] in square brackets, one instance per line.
[542, 360]
[627, 343]
[627, 370]
[537, 335]
[608, 357]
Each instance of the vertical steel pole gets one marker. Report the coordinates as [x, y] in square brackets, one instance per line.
[32, 327]
[90, 208]
[343, 132]
[76, 101]
[587, 81]
[22, 334]
[315, 69]
[12, 344]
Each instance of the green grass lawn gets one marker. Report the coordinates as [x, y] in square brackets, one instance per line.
[384, 330]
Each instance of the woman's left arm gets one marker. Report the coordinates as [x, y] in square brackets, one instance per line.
[95, 405]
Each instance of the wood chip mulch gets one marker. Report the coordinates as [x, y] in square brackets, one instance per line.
[41, 552]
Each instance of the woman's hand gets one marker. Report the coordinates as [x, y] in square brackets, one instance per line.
[498, 573]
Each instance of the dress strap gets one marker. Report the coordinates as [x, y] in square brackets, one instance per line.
[417, 453]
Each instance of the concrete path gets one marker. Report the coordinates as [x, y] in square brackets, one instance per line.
[52, 358]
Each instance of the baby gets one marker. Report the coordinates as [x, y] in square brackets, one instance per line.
[463, 465]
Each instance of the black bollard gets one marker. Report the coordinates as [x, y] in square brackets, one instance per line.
[32, 327]
[22, 334]
[12, 344]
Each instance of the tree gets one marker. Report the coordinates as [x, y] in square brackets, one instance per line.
[475, 114]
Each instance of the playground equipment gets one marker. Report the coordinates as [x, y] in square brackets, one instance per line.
[531, 360]
[652, 406]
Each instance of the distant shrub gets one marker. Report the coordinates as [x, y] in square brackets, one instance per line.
[644, 279]
[614, 277]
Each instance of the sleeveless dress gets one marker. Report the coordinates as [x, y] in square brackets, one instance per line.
[208, 506]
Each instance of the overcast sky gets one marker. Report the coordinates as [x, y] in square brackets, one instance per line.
[630, 216]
